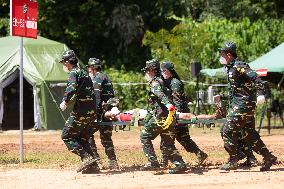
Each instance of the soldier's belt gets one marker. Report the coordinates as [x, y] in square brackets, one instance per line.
[199, 121]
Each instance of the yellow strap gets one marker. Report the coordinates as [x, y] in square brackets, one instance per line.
[169, 120]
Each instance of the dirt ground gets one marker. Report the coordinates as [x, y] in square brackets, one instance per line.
[22, 177]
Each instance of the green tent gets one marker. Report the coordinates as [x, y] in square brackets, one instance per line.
[41, 71]
[273, 61]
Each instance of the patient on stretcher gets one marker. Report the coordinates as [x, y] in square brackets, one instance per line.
[112, 113]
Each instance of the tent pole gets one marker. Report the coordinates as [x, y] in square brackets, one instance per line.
[21, 104]
[280, 82]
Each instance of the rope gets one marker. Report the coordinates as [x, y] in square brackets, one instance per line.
[53, 99]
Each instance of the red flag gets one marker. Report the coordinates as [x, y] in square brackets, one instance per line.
[23, 20]
[261, 71]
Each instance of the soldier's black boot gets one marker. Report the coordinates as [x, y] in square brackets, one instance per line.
[113, 165]
[230, 165]
[179, 169]
[151, 166]
[87, 162]
[201, 157]
[164, 162]
[250, 161]
[269, 160]
[92, 169]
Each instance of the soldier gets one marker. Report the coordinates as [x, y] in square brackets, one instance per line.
[245, 91]
[103, 92]
[160, 104]
[176, 89]
[78, 126]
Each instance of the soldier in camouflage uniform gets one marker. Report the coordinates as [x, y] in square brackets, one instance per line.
[103, 92]
[244, 149]
[176, 89]
[160, 104]
[78, 127]
[245, 90]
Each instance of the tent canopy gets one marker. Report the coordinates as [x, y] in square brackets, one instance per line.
[40, 69]
[40, 59]
[273, 61]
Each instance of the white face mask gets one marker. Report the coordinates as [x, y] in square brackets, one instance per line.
[65, 69]
[222, 60]
[91, 75]
[147, 77]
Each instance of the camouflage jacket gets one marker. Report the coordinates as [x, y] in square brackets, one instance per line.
[103, 88]
[158, 97]
[176, 89]
[244, 86]
[80, 85]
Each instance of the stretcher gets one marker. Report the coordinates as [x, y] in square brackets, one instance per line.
[123, 124]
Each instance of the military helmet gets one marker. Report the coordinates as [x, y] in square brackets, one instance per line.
[168, 65]
[152, 64]
[94, 62]
[171, 67]
[229, 47]
[69, 56]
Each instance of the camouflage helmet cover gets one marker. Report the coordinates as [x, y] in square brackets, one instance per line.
[229, 47]
[152, 64]
[94, 62]
[69, 56]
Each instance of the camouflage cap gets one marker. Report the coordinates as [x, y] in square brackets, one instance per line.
[94, 62]
[229, 47]
[151, 64]
[69, 56]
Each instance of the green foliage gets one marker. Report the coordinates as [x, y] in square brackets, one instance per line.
[131, 96]
[4, 26]
[113, 30]
[192, 40]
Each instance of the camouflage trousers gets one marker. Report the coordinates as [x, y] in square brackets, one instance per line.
[150, 131]
[183, 137]
[76, 134]
[242, 146]
[106, 141]
[243, 123]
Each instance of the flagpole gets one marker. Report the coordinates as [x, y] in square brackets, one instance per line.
[21, 104]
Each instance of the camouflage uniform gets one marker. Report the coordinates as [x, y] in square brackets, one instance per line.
[244, 149]
[244, 86]
[103, 92]
[176, 89]
[157, 113]
[78, 127]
